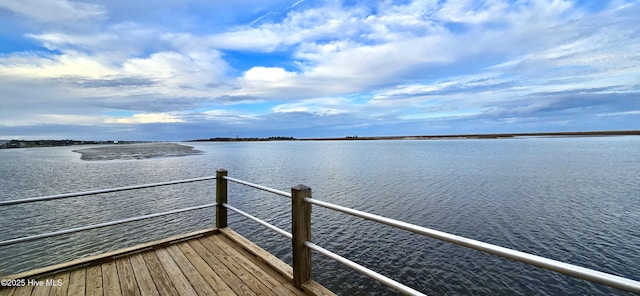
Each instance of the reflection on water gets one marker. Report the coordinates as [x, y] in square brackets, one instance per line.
[571, 199]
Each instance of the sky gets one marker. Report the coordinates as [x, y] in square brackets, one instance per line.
[190, 69]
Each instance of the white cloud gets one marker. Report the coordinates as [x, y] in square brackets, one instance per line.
[146, 118]
[321, 106]
[267, 74]
[633, 112]
[413, 89]
[227, 117]
[326, 22]
[74, 64]
[69, 119]
[248, 39]
[54, 10]
[345, 66]
[176, 73]
[118, 41]
[468, 11]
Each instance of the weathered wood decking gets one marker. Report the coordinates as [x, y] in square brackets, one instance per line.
[209, 262]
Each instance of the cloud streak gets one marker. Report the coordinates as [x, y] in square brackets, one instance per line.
[53, 11]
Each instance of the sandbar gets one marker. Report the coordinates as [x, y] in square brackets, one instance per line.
[136, 151]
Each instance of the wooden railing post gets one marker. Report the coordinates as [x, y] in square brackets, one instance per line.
[301, 228]
[221, 197]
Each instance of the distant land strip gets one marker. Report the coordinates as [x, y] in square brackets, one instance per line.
[486, 136]
[49, 143]
[136, 151]
[55, 143]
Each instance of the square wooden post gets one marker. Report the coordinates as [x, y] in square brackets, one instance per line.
[221, 197]
[301, 228]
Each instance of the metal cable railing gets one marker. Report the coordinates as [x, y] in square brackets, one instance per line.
[363, 270]
[546, 263]
[257, 186]
[100, 225]
[353, 265]
[100, 191]
[104, 224]
[258, 220]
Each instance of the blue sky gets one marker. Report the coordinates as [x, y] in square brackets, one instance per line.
[179, 69]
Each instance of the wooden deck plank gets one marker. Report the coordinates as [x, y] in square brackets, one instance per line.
[197, 281]
[94, 281]
[256, 250]
[282, 279]
[60, 290]
[248, 278]
[312, 287]
[254, 268]
[221, 264]
[77, 282]
[229, 277]
[128, 283]
[110, 280]
[23, 291]
[109, 255]
[230, 249]
[159, 275]
[41, 289]
[221, 288]
[7, 291]
[146, 286]
[180, 281]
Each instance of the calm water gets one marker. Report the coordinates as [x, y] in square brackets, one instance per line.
[571, 199]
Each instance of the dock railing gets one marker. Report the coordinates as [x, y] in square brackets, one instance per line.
[301, 205]
[105, 224]
[301, 202]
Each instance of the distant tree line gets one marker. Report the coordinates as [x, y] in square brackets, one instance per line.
[53, 143]
[238, 139]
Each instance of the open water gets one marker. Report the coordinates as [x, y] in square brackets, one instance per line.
[570, 199]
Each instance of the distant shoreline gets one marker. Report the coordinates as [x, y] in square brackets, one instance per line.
[431, 137]
[4, 144]
[484, 136]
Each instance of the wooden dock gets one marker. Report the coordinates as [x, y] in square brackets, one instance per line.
[208, 262]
